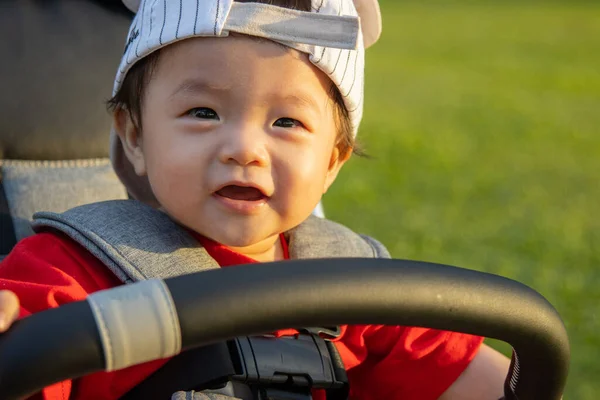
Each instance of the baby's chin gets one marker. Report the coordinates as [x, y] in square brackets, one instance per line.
[243, 239]
[247, 234]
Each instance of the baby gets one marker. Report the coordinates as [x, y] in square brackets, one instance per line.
[233, 119]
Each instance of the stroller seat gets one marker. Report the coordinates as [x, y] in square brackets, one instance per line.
[59, 58]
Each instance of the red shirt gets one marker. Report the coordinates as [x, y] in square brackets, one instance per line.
[383, 362]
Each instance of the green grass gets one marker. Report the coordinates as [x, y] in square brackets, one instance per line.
[484, 121]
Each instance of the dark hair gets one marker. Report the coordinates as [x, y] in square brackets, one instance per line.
[131, 93]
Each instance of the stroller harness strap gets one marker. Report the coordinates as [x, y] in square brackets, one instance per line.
[137, 242]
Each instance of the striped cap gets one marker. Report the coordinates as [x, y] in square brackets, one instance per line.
[334, 34]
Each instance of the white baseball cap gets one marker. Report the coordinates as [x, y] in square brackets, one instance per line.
[368, 10]
[334, 34]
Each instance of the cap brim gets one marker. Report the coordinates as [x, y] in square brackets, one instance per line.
[370, 17]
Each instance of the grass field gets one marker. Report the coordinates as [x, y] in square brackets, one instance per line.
[484, 122]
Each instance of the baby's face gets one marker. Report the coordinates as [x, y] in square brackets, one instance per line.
[238, 138]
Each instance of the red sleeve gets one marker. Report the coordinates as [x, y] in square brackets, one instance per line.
[394, 362]
[49, 269]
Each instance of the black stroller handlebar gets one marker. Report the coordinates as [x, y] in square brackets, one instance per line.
[217, 305]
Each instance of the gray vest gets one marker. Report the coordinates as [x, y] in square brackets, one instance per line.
[138, 242]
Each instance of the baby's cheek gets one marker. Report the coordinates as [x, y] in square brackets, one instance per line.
[173, 191]
[304, 195]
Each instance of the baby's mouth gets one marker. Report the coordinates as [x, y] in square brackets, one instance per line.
[243, 193]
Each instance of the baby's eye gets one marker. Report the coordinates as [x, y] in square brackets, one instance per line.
[203, 113]
[288, 123]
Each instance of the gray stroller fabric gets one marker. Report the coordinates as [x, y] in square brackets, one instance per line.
[31, 186]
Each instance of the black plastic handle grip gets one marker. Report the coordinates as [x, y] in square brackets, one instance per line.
[221, 304]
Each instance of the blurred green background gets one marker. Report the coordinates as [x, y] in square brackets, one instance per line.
[483, 120]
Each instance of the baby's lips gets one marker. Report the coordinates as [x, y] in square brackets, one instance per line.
[245, 193]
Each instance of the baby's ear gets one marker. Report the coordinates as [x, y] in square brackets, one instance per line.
[335, 164]
[131, 140]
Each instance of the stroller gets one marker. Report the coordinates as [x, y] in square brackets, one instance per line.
[58, 61]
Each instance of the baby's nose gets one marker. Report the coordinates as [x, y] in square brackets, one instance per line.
[245, 146]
